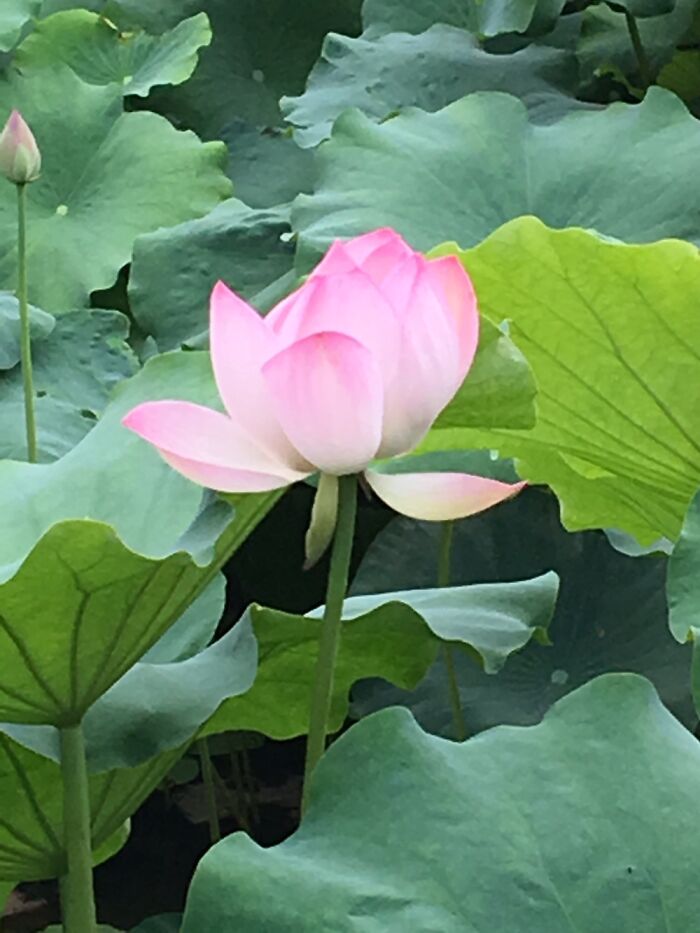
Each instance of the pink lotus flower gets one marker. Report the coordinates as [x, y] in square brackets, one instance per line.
[353, 366]
[20, 159]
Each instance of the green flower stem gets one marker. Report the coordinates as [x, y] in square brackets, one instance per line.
[207, 767]
[445, 554]
[642, 59]
[77, 895]
[330, 629]
[240, 792]
[458, 722]
[236, 796]
[443, 575]
[25, 339]
[251, 785]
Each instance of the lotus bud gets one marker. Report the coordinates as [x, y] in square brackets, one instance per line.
[20, 159]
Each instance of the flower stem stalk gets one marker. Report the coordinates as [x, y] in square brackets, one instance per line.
[642, 60]
[207, 767]
[25, 338]
[77, 895]
[331, 627]
[443, 575]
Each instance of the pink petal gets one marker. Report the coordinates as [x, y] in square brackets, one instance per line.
[337, 261]
[448, 277]
[439, 497]
[224, 479]
[328, 397]
[207, 447]
[346, 303]
[376, 253]
[240, 344]
[431, 363]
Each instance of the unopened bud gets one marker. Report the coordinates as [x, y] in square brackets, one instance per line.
[20, 159]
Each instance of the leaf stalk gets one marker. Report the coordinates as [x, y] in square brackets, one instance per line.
[77, 892]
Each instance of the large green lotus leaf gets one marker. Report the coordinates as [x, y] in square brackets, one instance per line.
[583, 822]
[133, 735]
[259, 53]
[684, 578]
[32, 813]
[390, 635]
[383, 75]
[105, 724]
[40, 326]
[488, 19]
[83, 602]
[13, 15]
[75, 369]
[266, 166]
[80, 611]
[99, 53]
[479, 162]
[107, 177]
[494, 620]
[615, 438]
[605, 40]
[174, 270]
[611, 614]
[188, 637]
[386, 16]
[392, 642]
[156, 707]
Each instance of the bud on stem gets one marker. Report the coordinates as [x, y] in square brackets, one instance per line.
[20, 159]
